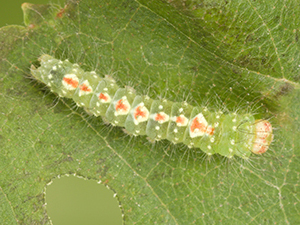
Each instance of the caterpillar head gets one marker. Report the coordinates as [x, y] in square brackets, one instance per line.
[263, 136]
[249, 136]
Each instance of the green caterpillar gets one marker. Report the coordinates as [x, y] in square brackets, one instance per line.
[213, 132]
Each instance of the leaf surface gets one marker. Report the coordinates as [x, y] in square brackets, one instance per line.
[228, 55]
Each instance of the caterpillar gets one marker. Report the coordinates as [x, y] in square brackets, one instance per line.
[227, 134]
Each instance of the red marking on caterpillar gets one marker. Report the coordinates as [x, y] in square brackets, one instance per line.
[210, 130]
[161, 117]
[199, 126]
[104, 97]
[181, 121]
[141, 112]
[122, 106]
[85, 87]
[70, 81]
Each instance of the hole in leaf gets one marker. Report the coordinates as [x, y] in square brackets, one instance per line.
[71, 200]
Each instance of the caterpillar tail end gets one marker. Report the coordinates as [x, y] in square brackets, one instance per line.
[263, 136]
[33, 70]
[45, 57]
[32, 67]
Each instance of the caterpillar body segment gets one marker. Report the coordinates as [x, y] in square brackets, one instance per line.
[120, 106]
[136, 121]
[158, 122]
[179, 121]
[102, 96]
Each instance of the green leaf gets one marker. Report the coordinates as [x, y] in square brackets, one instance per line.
[229, 55]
